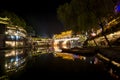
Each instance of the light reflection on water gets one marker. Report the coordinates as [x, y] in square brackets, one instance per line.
[68, 56]
[13, 61]
[58, 53]
[92, 60]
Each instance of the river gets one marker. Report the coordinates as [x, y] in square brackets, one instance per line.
[49, 63]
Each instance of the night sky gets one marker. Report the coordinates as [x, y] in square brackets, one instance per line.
[40, 14]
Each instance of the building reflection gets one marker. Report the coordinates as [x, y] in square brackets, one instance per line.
[12, 36]
[68, 56]
[12, 61]
[41, 50]
[58, 53]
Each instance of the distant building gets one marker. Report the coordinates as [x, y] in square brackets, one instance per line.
[112, 32]
[15, 36]
[11, 36]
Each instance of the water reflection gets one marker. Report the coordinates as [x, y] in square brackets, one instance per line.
[96, 60]
[49, 60]
[58, 53]
[12, 61]
[68, 56]
[41, 50]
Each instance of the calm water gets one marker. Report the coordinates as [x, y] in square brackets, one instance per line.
[48, 62]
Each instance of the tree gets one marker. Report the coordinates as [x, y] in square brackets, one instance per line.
[64, 13]
[103, 9]
[76, 16]
[16, 20]
[83, 15]
[30, 29]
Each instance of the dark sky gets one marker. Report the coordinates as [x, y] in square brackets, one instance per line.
[41, 14]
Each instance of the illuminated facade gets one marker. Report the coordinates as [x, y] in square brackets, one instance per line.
[112, 32]
[65, 39]
[11, 36]
[15, 36]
